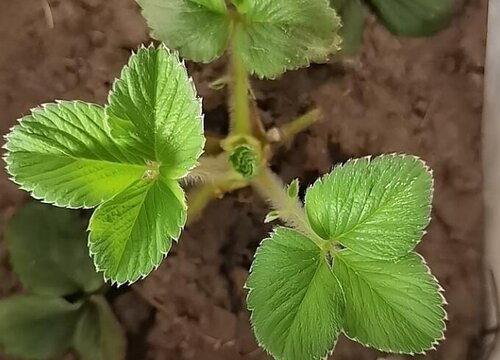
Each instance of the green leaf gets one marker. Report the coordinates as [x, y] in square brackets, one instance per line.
[198, 29]
[155, 94]
[414, 17]
[64, 154]
[273, 36]
[271, 216]
[98, 334]
[36, 327]
[131, 234]
[391, 306]
[48, 251]
[269, 36]
[351, 13]
[293, 189]
[377, 208]
[122, 157]
[296, 302]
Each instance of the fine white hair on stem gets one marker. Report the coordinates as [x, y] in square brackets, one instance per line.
[210, 169]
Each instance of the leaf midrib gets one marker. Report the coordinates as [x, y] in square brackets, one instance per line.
[318, 267]
[140, 207]
[75, 158]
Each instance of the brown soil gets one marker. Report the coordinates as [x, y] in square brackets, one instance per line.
[416, 96]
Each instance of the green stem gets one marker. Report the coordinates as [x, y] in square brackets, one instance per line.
[211, 169]
[298, 125]
[270, 186]
[288, 131]
[239, 96]
[200, 197]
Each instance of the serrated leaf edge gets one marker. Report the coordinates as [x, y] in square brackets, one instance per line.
[370, 159]
[29, 190]
[334, 47]
[141, 275]
[58, 103]
[440, 291]
[250, 289]
[180, 63]
[154, 33]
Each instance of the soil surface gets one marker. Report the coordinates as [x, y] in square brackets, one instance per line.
[419, 96]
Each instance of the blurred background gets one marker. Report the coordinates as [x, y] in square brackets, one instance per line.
[421, 96]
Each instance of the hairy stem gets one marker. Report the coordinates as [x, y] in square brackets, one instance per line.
[200, 197]
[271, 188]
[211, 169]
[288, 131]
[239, 86]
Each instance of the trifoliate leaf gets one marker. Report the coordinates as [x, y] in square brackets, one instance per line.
[131, 234]
[48, 251]
[198, 29]
[269, 36]
[414, 17]
[273, 36]
[377, 208]
[36, 327]
[393, 306]
[98, 334]
[351, 13]
[155, 94]
[296, 302]
[78, 155]
[64, 154]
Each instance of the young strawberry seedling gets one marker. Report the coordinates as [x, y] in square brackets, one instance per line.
[64, 307]
[344, 262]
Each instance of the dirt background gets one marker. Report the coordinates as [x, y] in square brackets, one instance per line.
[417, 96]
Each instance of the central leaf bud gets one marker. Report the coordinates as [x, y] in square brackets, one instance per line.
[244, 160]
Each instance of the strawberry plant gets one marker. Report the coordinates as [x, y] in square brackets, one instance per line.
[344, 262]
[64, 306]
[412, 18]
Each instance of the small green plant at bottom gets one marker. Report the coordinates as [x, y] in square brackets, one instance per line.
[344, 262]
[63, 307]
